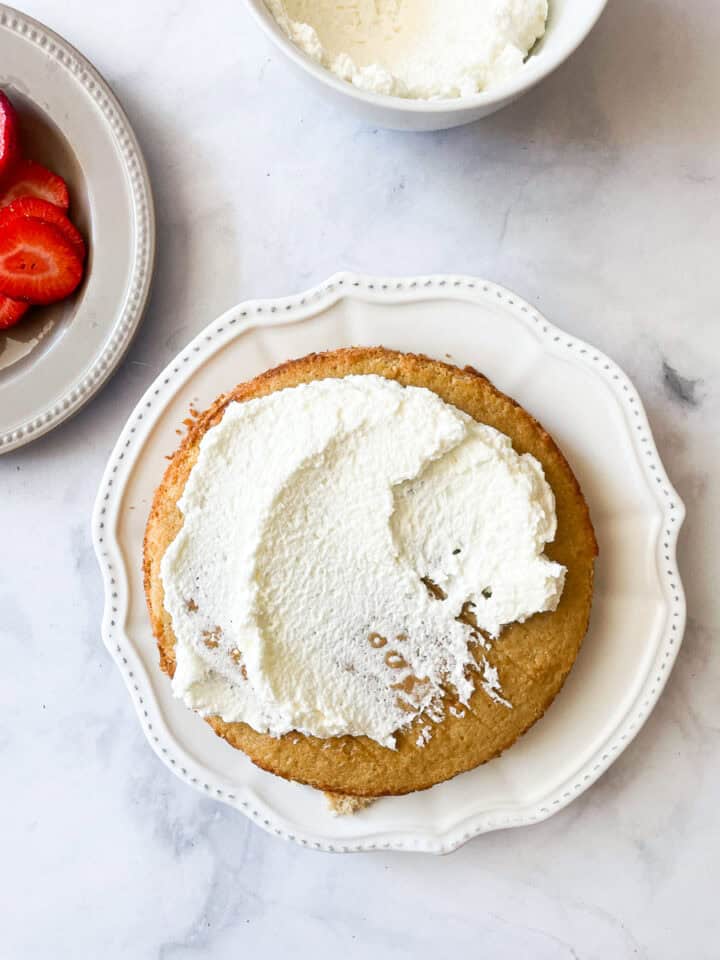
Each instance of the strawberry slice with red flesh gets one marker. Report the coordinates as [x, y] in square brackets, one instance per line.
[30, 179]
[34, 208]
[11, 311]
[9, 135]
[37, 263]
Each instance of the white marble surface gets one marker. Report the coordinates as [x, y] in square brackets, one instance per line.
[597, 197]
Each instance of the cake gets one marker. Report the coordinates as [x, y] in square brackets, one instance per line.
[531, 659]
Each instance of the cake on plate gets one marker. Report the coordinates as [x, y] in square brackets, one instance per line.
[369, 571]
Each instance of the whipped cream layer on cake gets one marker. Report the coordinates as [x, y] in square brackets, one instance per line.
[348, 548]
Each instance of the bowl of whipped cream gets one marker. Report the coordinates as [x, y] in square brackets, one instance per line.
[426, 64]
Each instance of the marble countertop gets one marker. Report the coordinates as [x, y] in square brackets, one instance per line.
[597, 197]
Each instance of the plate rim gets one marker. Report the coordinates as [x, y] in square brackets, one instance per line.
[86, 383]
[266, 312]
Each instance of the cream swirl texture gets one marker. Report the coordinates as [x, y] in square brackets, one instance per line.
[333, 534]
[423, 49]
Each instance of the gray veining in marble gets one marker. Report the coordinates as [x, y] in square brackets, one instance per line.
[597, 197]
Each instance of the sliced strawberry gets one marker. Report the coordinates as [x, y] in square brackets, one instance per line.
[34, 208]
[29, 179]
[11, 311]
[9, 135]
[37, 263]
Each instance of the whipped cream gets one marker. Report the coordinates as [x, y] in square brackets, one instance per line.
[415, 48]
[333, 534]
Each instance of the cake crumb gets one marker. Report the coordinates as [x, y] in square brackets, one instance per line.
[341, 805]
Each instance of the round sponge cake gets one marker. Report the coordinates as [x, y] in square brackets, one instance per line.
[532, 658]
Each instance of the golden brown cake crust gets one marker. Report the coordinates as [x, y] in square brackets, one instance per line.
[533, 658]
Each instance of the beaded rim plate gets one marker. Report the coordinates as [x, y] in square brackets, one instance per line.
[57, 358]
[591, 408]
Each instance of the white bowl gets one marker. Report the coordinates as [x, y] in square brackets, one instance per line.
[569, 23]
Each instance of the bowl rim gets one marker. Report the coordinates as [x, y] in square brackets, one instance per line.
[496, 96]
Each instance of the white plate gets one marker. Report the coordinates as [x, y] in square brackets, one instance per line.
[594, 412]
[54, 361]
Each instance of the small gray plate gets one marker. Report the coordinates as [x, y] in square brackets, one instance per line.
[57, 358]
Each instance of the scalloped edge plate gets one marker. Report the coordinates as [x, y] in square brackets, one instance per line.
[594, 412]
[94, 329]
